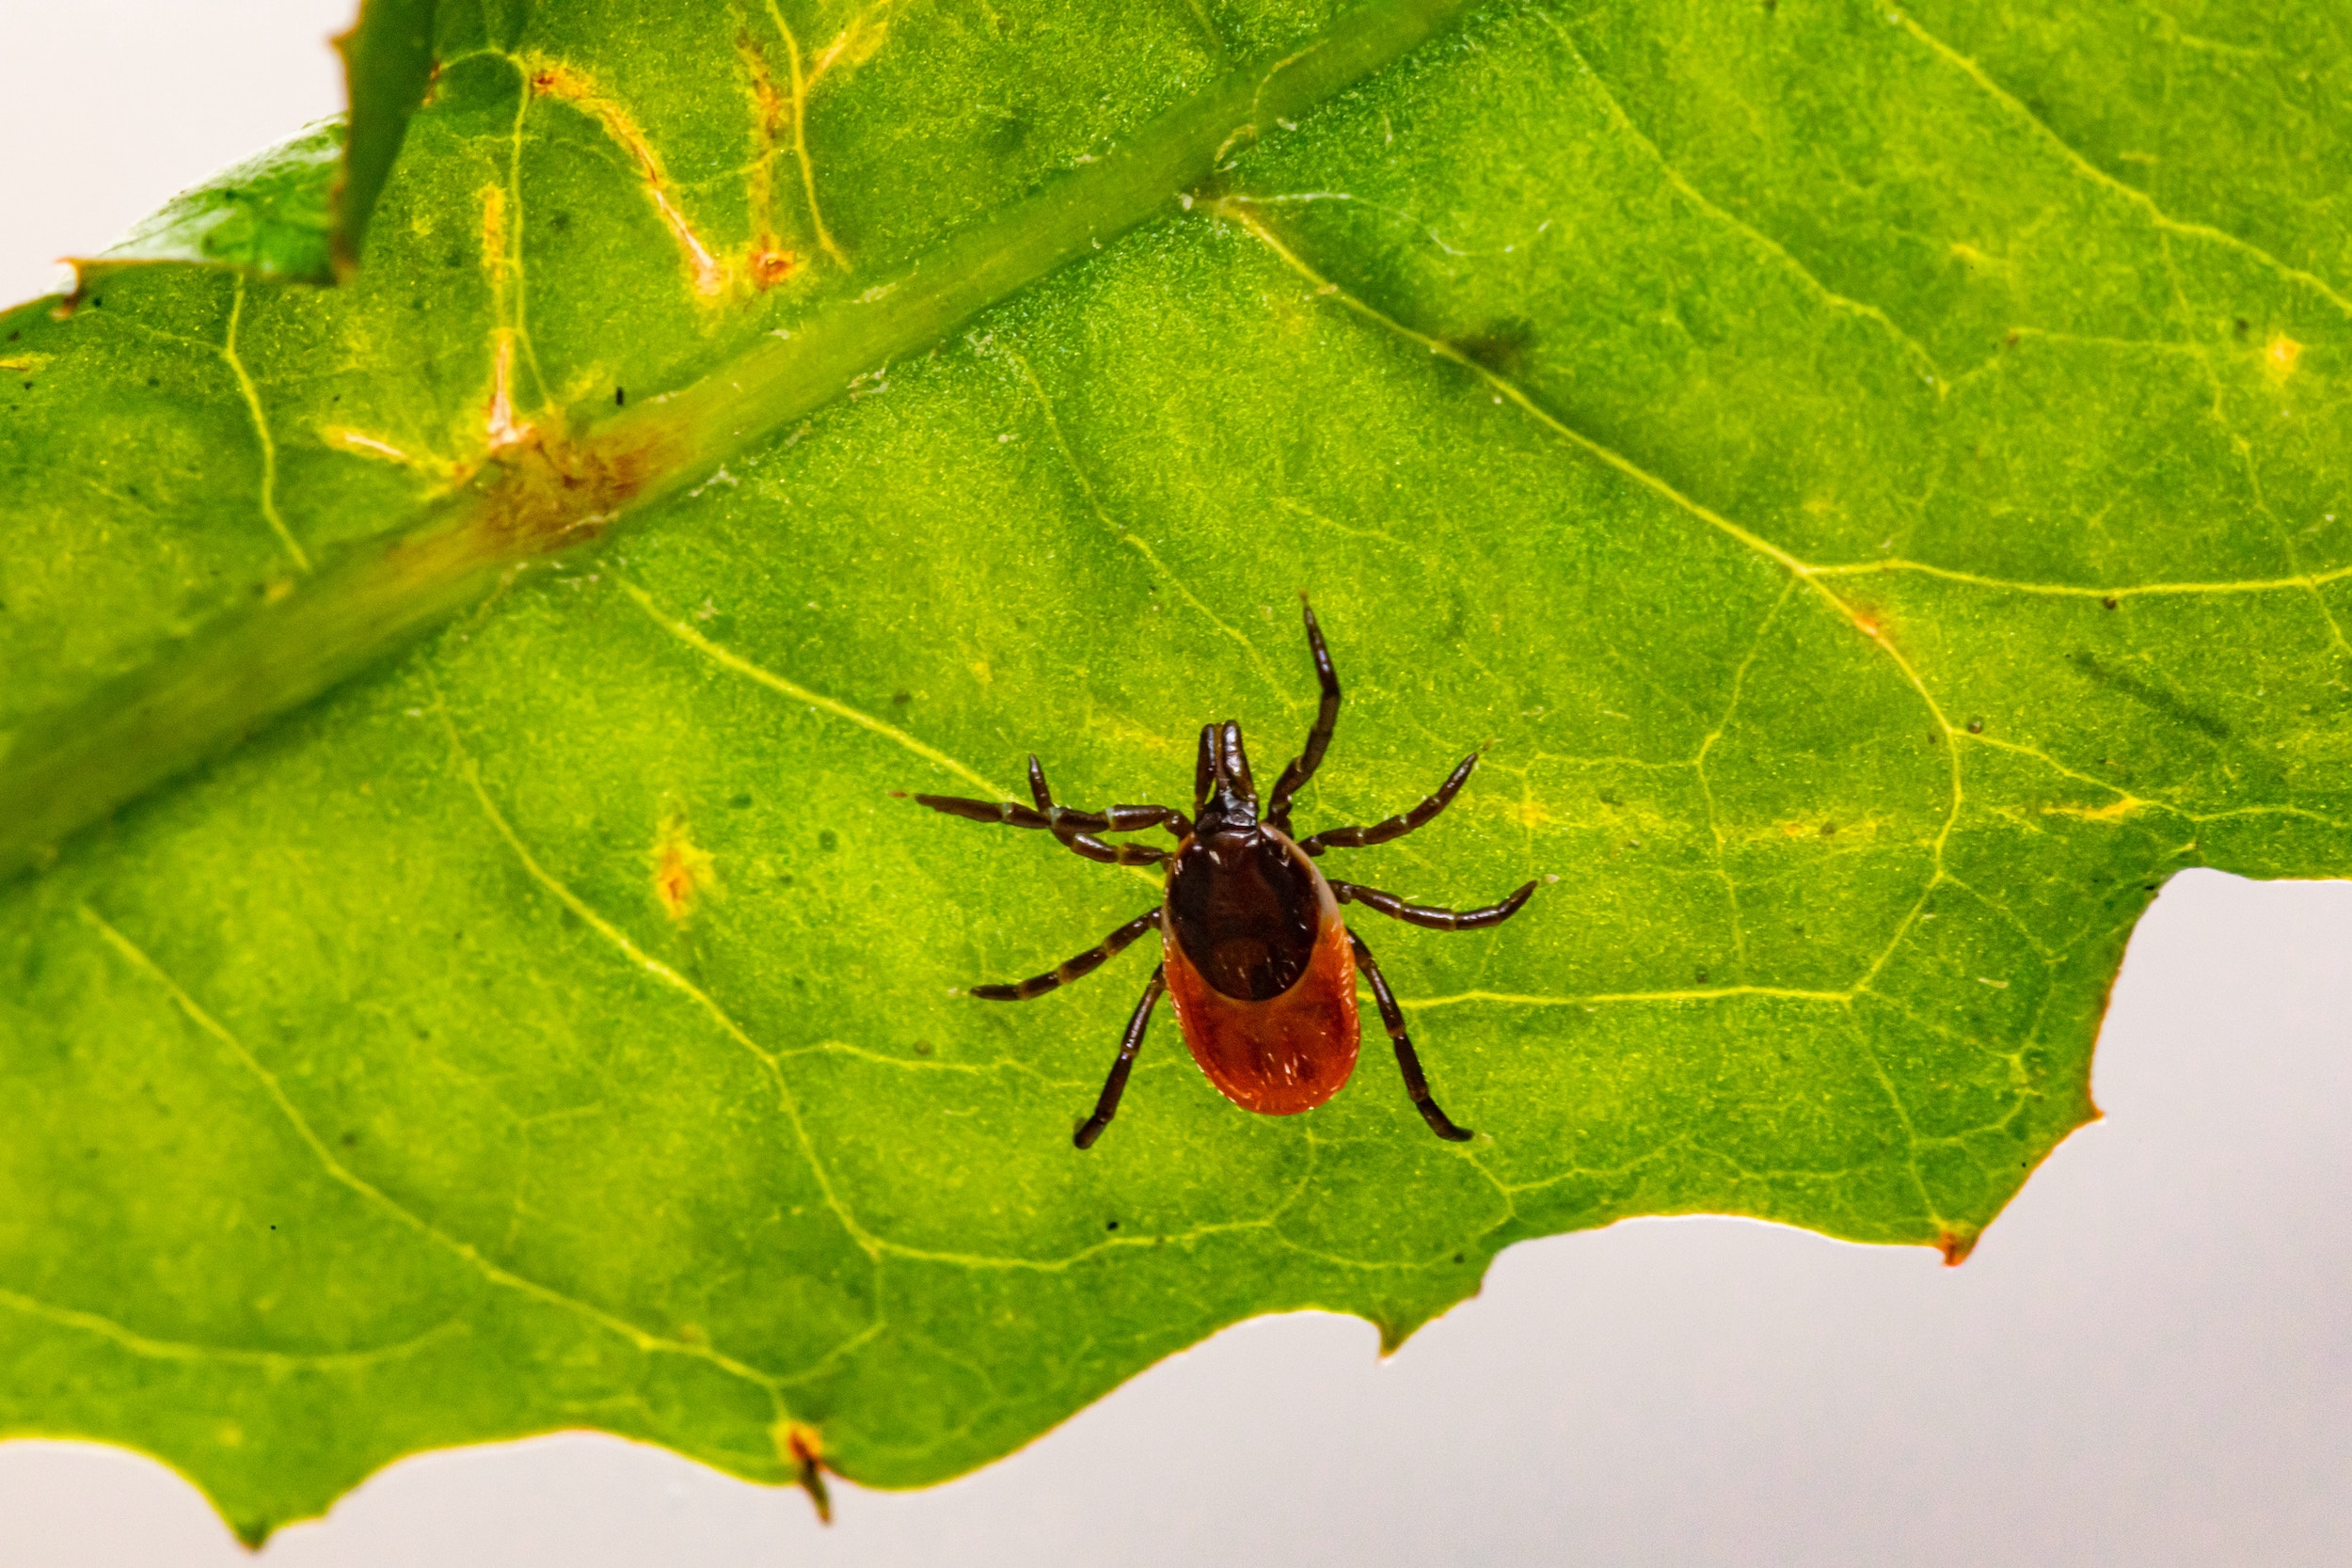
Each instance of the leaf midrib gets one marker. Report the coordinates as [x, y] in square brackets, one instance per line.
[198, 698]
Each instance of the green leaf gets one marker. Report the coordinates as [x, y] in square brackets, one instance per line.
[388, 62]
[297, 212]
[268, 216]
[1873, 479]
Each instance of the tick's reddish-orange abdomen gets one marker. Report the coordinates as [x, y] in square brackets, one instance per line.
[1288, 1053]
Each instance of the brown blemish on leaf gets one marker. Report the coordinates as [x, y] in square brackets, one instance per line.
[2280, 354]
[556, 80]
[768, 268]
[683, 874]
[1957, 1245]
[769, 261]
[550, 493]
[804, 1446]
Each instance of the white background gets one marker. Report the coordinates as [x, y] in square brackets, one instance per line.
[2144, 1364]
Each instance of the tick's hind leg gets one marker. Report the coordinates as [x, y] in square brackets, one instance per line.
[1394, 826]
[1116, 1084]
[1078, 968]
[1430, 915]
[1406, 1061]
[1302, 767]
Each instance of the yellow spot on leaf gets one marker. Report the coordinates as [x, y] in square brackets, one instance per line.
[1528, 814]
[683, 874]
[2112, 812]
[2278, 357]
[981, 671]
[23, 364]
[493, 233]
[343, 439]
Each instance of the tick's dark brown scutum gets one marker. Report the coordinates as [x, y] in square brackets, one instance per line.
[1253, 954]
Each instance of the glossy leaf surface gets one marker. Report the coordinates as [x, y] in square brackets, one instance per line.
[1873, 481]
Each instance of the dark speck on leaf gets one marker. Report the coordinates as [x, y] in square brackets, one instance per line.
[1111, 1225]
[1701, 980]
[1829, 830]
[740, 801]
[2107, 604]
[154, 381]
[1457, 1256]
[2242, 327]
[827, 841]
[922, 1048]
[1976, 726]
[620, 397]
[901, 698]
[561, 222]
[1007, 136]
[350, 1139]
[1501, 346]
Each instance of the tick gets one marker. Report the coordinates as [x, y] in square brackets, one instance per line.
[1253, 954]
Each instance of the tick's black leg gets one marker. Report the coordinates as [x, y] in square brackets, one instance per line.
[1395, 827]
[1116, 1084]
[1078, 968]
[1013, 814]
[1302, 767]
[1428, 916]
[1067, 823]
[1406, 1062]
